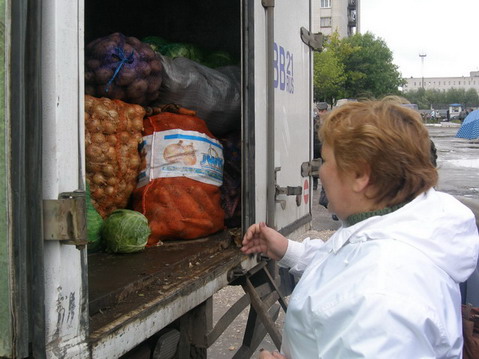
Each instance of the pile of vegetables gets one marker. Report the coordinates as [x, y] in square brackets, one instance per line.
[113, 131]
[212, 59]
[125, 231]
[123, 68]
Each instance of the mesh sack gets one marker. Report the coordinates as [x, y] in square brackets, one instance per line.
[122, 68]
[179, 186]
[113, 131]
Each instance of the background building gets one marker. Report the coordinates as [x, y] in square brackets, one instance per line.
[443, 83]
[336, 15]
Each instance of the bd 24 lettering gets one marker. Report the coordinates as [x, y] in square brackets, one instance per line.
[283, 69]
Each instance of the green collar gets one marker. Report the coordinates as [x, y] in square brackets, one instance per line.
[356, 218]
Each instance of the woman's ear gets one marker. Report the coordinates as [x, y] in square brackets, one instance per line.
[361, 180]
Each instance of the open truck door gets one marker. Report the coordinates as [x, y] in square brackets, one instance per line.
[282, 113]
[44, 286]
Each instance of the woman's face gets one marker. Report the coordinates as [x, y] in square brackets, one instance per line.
[339, 190]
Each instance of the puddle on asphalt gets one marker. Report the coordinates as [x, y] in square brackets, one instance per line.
[470, 163]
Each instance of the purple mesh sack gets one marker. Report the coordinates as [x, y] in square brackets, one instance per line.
[122, 68]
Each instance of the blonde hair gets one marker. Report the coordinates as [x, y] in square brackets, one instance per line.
[387, 138]
[396, 99]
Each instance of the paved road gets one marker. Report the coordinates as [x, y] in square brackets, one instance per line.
[458, 162]
[458, 165]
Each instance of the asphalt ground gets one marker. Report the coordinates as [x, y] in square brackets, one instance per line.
[458, 161]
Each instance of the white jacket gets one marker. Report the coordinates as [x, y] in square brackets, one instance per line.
[386, 287]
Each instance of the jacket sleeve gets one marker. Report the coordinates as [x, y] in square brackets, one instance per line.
[378, 326]
[299, 254]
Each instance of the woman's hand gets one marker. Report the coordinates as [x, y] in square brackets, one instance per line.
[259, 238]
[264, 354]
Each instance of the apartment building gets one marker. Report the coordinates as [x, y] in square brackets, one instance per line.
[336, 15]
[443, 83]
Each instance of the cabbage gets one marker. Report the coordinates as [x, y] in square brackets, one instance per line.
[219, 59]
[178, 49]
[155, 42]
[125, 231]
[93, 224]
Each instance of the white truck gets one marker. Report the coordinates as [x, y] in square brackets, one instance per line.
[59, 301]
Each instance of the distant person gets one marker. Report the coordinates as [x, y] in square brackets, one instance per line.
[386, 284]
[448, 116]
[322, 108]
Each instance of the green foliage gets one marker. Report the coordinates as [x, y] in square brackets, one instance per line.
[359, 66]
[329, 77]
[431, 98]
[471, 98]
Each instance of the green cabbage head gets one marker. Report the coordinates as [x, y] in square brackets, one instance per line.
[125, 231]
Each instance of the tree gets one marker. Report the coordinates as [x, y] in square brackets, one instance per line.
[369, 68]
[437, 99]
[471, 98]
[354, 67]
[329, 77]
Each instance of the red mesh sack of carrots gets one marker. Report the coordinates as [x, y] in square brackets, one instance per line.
[113, 132]
[179, 186]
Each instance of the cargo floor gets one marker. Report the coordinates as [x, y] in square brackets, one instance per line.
[119, 283]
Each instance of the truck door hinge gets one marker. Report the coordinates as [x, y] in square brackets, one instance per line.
[288, 191]
[64, 219]
[311, 168]
[314, 41]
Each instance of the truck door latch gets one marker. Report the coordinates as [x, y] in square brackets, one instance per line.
[64, 219]
[314, 41]
[311, 168]
[288, 191]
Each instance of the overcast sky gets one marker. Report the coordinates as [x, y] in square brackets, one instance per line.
[446, 31]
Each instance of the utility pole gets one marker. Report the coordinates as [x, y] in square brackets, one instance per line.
[422, 56]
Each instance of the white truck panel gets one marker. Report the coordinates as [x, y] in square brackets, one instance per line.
[292, 116]
[62, 140]
[293, 100]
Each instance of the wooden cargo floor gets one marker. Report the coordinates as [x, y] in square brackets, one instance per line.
[119, 282]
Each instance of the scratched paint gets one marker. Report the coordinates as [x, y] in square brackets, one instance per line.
[71, 307]
[60, 309]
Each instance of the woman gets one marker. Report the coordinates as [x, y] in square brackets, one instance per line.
[386, 284]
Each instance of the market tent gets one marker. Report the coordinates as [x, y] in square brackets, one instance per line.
[470, 127]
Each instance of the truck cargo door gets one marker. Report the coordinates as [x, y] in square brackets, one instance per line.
[21, 305]
[64, 263]
[43, 275]
[283, 113]
[22, 284]
[6, 256]
[292, 117]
